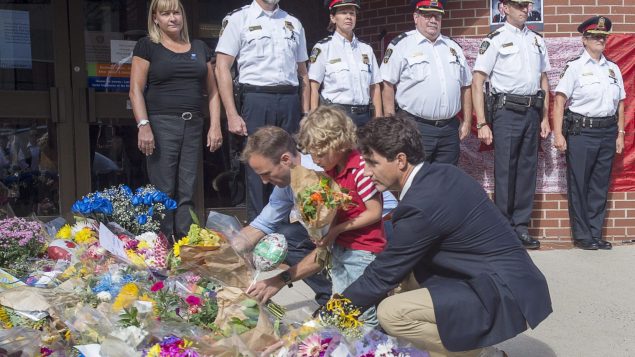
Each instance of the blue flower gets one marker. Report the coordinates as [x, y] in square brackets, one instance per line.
[170, 204]
[136, 200]
[142, 219]
[126, 190]
[151, 211]
[147, 199]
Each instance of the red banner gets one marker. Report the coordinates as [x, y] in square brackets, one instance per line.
[478, 159]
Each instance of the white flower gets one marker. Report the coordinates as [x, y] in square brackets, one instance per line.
[385, 350]
[104, 296]
[78, 226]
[148, 237]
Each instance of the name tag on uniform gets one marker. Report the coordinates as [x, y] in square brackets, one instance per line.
[508, 44]
[255, 28]
[587, 74]
[335, 60]
[417, 54]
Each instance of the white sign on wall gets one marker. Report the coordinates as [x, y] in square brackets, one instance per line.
[15, 39]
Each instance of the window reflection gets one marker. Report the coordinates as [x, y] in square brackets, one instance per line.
[28, 170]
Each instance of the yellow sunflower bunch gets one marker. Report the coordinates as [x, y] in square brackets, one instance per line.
[126, 297]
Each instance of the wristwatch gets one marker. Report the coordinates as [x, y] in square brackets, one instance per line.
[143, 122]
[480, 125]
[286, 277]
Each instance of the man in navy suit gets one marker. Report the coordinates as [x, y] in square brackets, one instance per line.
[475, 285]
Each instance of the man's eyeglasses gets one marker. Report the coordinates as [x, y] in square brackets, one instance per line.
[597, 37]
[429, 15]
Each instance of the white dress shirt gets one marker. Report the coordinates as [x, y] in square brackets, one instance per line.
[514, 60]
[428, 75]
[593, 89]
[267, 45]
[346, 69]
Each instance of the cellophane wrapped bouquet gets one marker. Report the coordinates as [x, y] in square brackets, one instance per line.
[317, 199]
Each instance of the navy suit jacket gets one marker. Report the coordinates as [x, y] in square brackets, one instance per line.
[484, 286]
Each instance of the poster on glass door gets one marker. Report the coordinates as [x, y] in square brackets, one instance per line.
[15, 39]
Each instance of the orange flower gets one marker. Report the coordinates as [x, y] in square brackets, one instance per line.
[316, 197]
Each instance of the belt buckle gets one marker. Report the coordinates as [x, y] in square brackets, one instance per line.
[186, 116]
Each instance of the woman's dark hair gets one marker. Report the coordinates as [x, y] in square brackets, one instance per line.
[389, 136]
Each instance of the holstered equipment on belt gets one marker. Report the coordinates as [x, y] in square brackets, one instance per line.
[573, 123]
[238, 94]
[520, 103]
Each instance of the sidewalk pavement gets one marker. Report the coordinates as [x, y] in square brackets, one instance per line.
[593, 296]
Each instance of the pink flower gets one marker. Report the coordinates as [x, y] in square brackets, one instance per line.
[193, 300]
[314, 346]
[157, 286]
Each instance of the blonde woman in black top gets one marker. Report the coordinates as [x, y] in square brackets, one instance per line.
[171, 80]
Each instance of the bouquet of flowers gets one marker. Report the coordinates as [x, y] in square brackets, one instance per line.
[199, 240]
[20, 239]
[341, 314]
[147, 249]
[317, 198]
[171, 346]
[138, 212]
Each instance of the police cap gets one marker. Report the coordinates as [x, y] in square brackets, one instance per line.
[429, 5]
[596, 25]
[332, 5]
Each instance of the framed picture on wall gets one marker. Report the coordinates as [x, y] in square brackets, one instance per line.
[534, 19]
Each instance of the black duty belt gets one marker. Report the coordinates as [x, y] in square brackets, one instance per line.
[509, 101]
[438, 123]
[591, 122]
[248, 88]
[354, 109]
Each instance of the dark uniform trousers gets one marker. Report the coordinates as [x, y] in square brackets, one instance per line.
[589, 161]
[441, 144]
[263, 109]
[173, 165]
[299, 246]
[515, 163]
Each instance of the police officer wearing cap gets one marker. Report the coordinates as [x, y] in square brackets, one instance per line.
[427, 74]
[270, 49]
[515, 60]
[345, 67]
[593, 131]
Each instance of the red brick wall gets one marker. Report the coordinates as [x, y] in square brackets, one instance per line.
[469, 18]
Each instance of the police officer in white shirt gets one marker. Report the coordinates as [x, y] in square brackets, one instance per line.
[270, 49]
[432, 82]
[345, 67]
[593, 131]
[516, 61]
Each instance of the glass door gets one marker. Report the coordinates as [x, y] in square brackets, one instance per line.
[36, 152]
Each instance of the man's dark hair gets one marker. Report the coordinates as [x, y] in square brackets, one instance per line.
[270, 142]
[389, 136]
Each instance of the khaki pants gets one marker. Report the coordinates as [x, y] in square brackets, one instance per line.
[410, 316]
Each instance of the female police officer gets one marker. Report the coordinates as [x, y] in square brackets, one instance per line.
[345, 67]
[593, 131]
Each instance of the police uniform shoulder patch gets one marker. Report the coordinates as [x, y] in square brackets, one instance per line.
[314, 54]
[387, 55]
[483, 48]
[365, 58]
[493, 34]
[398, 38]
[223, 25]
[537, 33]
[612, 73]
[325, 39]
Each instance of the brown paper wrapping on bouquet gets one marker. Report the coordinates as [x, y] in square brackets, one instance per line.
[257, 339]
[221, 263]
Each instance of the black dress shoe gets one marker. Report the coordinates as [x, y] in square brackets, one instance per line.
[528, 242]
[586, 244]
[602, 244]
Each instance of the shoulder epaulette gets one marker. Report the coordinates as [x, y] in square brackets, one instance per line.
[537, 33]
[493, 34]
[236, 10]
[325, 39]
[573, 59]
[453, 40]
[398, 38]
